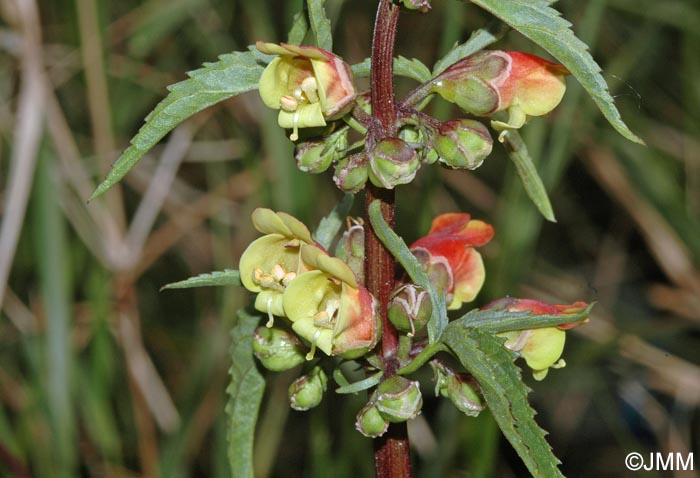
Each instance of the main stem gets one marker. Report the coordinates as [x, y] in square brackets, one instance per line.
[391, 451]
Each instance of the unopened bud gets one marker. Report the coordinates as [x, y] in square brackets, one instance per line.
[351, 249]
[462, 144]
[277, 349]
[370, 422]
[392, 162]
[416, 138]
[398, 399]
[459, 388]
[409, 308]
[314, 157]
[307, 391]
[421, 5]
[351, 173]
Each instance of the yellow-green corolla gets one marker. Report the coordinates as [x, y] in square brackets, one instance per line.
[307, 84]
[271, 262]
[329, 309]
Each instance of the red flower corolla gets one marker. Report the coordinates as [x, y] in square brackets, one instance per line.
[449, 257]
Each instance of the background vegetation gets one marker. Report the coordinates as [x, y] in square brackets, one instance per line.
[103, 375]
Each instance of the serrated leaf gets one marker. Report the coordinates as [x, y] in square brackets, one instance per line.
[408, 68]
[545, 26]
[245, 393]
[534, 187]
[478, 40]
[398, 248]
[299, 29]
[320, 24]
[491, 364]
[495, 321]
[233, 74]
[216, 278]
[330, 225]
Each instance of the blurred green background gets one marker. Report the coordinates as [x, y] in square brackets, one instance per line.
[102, 375]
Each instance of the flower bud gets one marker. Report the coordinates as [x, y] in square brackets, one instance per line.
[410, 308]
[370, 422]
[307, 391]
[351, 248]
[277, 349]
[416, 138]
[351, 173]
[421, 5]
[459, 388]
[398, 399]
[313, 157]
[462, 144]
[392, 162]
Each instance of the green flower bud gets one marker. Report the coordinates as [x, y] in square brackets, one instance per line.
[351, 173]
[307, 391]
[314, 157]
[421, 5]
[417, 139]
[459, 388]
[370, 422]
[351, 248]
[462, 144]
[409, 308]
[277, 349]
[392, 162]
[398, 399]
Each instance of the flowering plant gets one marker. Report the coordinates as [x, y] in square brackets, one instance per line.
[375, 306]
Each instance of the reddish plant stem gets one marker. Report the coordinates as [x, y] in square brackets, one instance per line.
[391, 451]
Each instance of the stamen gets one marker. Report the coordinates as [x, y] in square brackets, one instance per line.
[289, 103]
[257, 275]
[270, 317]
[288, 277]
[278, 272]
[310, 89]
[298, 93]
[312, 352]
[321, 318]
[295, 130]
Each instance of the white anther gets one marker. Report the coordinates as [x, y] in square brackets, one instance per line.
[278, 272]
[310, 88]
[298, 92]
[288, 277]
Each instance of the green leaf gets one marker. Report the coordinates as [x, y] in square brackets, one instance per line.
[491, 364]
[414, 69]
[320, 24]
[216, 278]
[478, 40]
[330, 225]
[545, 26]
[358, 386]
[495, 321]
[300, 27]
[233, 74]
[517, 150]
[398, 248]
[245, 395]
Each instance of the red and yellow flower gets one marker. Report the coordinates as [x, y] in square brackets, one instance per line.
[448, 255]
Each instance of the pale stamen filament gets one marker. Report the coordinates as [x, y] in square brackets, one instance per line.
[312, 352]
[310, 89]
[270, 317]
[295, 129]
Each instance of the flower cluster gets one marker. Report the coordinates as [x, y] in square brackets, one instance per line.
[310, 87]
[295, 278]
